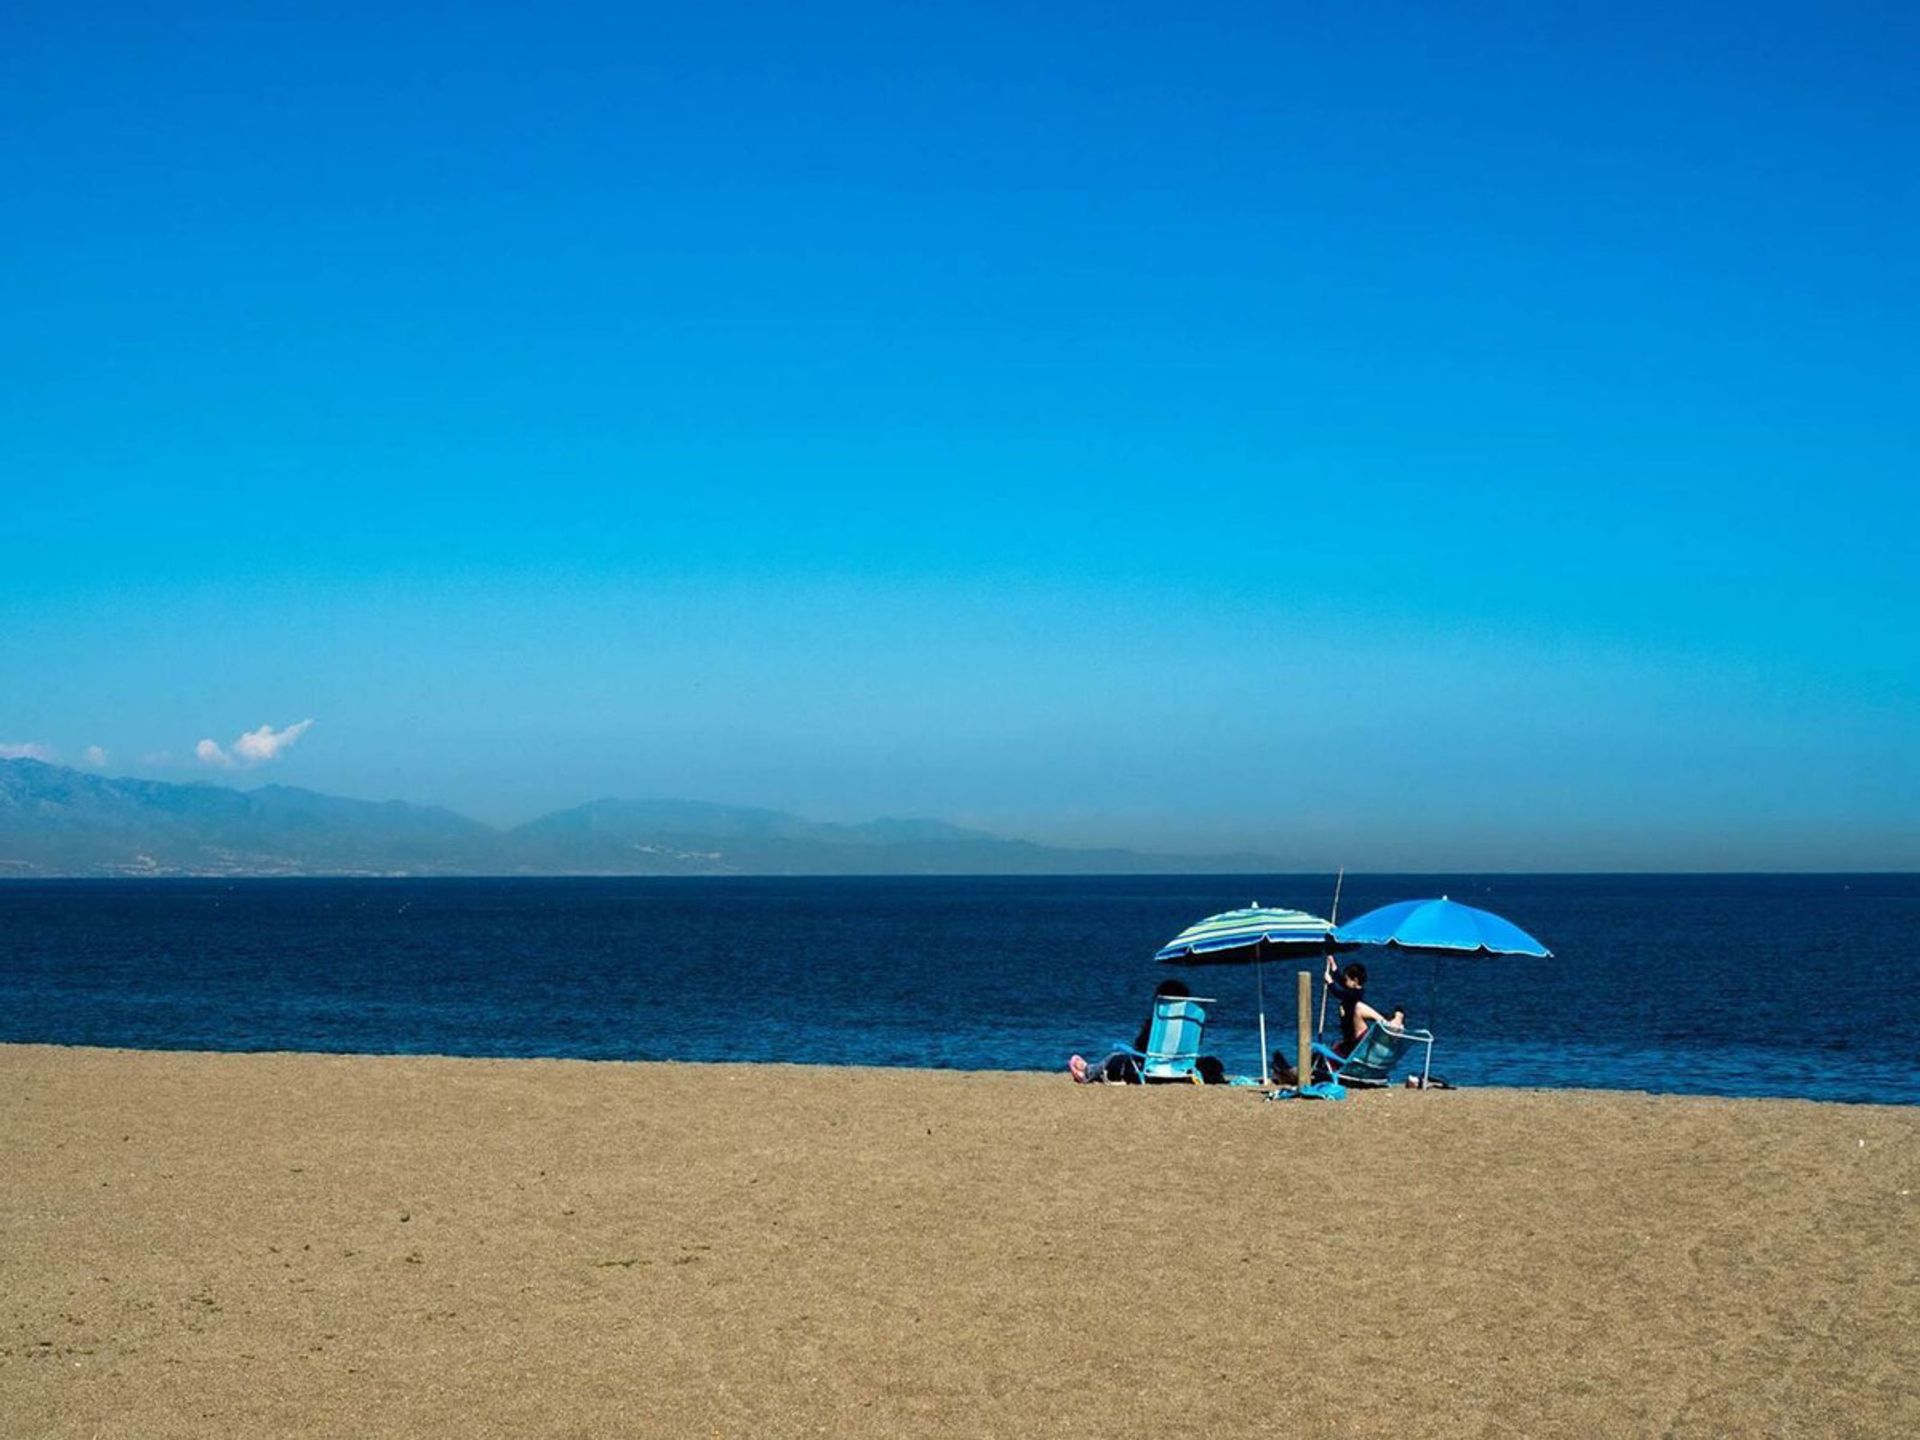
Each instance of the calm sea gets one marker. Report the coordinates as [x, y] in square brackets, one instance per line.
[1776, 985]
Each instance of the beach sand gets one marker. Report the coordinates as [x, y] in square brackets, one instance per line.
[247, 1245]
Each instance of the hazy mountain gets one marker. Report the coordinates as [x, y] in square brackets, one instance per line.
[691, 837]
[57, 821]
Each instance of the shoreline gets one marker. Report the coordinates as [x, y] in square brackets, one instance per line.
[239, 1243]
[808, 1065]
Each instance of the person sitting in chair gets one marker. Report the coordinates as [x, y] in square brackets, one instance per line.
[1348, 987]
[1123, 1067]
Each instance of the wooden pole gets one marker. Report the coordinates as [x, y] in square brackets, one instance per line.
[1305, 988]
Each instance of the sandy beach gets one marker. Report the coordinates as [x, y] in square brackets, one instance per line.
[226, 1245]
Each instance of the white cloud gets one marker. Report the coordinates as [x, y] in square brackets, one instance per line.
[95, 756]
[255, 747]
[24, 750]
[265, 743]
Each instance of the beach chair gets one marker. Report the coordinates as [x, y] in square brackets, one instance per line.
[1173, 1040]
[1371, 1062]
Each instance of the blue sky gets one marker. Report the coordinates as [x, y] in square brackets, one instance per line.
[1401, 436]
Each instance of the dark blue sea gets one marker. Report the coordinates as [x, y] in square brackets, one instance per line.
[1745, 985]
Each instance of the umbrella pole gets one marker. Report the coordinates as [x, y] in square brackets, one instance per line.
[1338, 881]
[1260, 991]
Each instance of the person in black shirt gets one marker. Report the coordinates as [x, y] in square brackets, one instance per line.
[1348, 986]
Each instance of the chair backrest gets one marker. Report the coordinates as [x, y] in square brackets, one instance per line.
[1374, 1055]
[1173, 1041]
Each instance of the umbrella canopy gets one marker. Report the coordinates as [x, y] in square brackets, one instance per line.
[1240, 936]
[1253, 935]
[1440, 925]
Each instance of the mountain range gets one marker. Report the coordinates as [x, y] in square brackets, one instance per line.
[58, 821]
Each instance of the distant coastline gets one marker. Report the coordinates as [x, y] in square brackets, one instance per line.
[57, 822]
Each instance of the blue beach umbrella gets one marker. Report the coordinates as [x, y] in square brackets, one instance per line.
[1440, 925]
[1250, 936]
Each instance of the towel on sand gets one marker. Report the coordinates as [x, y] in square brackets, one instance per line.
[1325, 1090]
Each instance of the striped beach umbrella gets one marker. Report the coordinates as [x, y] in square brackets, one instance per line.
[1249, 937]
[1233, 938]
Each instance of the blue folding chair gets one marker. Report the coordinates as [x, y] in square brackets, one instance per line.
[1173, 1040]
[1374, 1056]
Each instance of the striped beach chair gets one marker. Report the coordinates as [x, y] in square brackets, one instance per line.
[1173, 1040]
